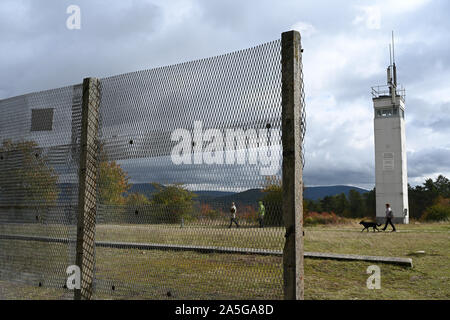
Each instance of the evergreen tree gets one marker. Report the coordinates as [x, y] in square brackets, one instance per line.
[370, 202]
[357, 205]
[342, 205]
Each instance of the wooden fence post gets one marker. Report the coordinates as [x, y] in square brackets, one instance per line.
[292, 108]
[87, 197]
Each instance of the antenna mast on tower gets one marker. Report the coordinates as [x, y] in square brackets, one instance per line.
[392, 71]
[393, 60]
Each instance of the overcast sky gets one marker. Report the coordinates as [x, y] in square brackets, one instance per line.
[346, 52]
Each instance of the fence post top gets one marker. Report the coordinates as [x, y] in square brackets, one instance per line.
[87, 79]
[292, 34]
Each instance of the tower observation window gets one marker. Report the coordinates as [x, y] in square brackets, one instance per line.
[391, 112]
[387, 112]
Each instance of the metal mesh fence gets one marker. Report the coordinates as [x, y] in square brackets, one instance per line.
[39, 156]
[186, 141]
[187, 168]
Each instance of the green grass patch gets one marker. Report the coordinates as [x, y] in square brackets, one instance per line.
[156, 274]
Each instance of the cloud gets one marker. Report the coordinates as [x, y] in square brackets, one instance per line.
[370, 16]
[428, 162]
[306, 29]
[346, 53]
[404, 6]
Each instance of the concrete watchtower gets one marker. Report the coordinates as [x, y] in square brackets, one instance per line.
[390, 148]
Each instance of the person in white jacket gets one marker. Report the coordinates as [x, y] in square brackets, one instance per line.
[389, 217]
[233, 215]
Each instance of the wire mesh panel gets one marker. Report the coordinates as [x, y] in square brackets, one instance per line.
[39, 156]
[189, 194]
[187, 169]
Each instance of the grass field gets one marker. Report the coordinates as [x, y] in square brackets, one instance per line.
[154, 274]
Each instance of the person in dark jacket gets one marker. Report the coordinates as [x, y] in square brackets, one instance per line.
[389, 217]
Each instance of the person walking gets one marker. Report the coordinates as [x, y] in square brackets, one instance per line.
[389, 217]
[233, 216]
[261, 214]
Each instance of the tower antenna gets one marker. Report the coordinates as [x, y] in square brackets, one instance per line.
[394, 67]
[390, 54]
[393, 48]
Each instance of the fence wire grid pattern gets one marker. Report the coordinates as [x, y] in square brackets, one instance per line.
[39, 162]
[177, 146]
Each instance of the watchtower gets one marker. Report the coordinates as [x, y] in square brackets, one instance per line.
[390, 146]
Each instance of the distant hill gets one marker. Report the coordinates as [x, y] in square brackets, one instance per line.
[146, 189]
[246, 197]
[311, 193]
[315, 193]
[208, 195]
[252, 196]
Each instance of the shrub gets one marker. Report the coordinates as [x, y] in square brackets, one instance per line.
[248, 213]
[273, 202]
[315, 218]
[31, 181]
[438, 212]
[175, 202]
[207, 212]
[112, 184]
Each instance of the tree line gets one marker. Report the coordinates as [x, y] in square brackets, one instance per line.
[27, 179]
[429, 202]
